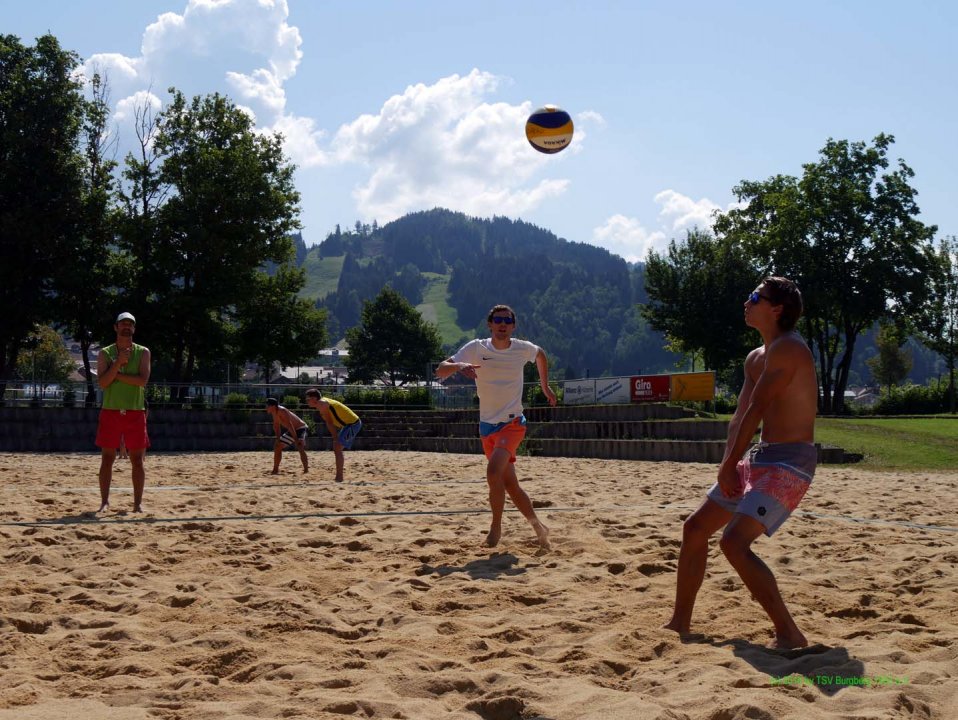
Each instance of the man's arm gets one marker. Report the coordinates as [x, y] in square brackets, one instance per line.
[542, 365]
[143, 376]
[449, 367]
[775, 377]
[327, 417]
[744, 397]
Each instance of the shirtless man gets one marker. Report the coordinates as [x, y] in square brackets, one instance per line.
[290, 431]
[496, 364]
[757, 493]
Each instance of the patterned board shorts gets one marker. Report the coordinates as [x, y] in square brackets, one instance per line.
[289, 442]
[774, 478]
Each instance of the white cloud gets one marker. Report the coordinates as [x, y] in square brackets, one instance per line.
[244, 48]
[444, 145]
[627, 237]
[447, 143]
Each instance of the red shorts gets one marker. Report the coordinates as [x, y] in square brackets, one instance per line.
[508, 437]
[128, 426]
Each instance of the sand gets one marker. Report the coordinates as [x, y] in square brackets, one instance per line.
[244, 595]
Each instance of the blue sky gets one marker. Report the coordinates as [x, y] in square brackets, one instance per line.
[391, 107]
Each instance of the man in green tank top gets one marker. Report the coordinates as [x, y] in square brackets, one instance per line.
[123, 369]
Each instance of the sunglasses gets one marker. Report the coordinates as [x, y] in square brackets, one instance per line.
[498, 320]
[756, 297]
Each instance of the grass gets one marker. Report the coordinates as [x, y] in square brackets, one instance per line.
[435, 308]
[322, 275]
[928, 443]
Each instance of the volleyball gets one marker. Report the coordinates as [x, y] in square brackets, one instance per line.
[549, 129]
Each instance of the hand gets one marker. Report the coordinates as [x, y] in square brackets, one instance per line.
[728, 480]
[468, 369]
[123, 356]
[550, 396]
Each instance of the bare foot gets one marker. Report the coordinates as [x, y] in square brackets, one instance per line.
[492, 539]
[103, 508]
[676, 626]
[137, 508]
[339, 479]
[275, 472]
[542, 533]
[789, 642]
[305, 470]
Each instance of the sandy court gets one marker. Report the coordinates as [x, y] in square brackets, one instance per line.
[245, 595]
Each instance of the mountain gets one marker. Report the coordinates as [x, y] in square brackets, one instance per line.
[576, 300]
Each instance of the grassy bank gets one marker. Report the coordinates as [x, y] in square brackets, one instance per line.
[928, 443]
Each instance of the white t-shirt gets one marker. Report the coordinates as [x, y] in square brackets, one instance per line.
[498, 377]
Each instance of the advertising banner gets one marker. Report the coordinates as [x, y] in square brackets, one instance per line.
[578, 392]
[649, 388]
[612, 391]
[693, 386]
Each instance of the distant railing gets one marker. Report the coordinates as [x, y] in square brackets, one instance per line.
[245, 395]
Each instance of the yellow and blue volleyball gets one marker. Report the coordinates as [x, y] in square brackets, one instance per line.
[549, 129]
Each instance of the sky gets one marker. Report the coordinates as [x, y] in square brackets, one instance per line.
[389, 107]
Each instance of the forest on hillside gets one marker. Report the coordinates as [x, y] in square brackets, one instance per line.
[579, 302]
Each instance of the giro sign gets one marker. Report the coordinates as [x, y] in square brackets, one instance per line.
[650, 388]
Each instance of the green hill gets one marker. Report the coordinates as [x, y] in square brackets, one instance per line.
[576, 300]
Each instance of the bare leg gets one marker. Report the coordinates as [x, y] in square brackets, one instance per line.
[301, 446]
[107, 456]
[340, 460]
[736, 544]
[693, 557]
[277, 456]
[521, 500]
[495, 471]
[139, 478]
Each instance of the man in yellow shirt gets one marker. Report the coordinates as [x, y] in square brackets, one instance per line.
[343, 424]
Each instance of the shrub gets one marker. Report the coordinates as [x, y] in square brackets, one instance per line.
[914, 400]
[236, 400]
[293, 402]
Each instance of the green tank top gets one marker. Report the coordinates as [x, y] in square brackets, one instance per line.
[119, 395]
[342, 415]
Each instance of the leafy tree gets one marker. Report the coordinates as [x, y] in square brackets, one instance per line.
[892, 363]
[937, 323]
[83, 304]
[230, 207]
[696, 291]
[847, 232]
[277, 326]
[393, 342]
[41, 110]
[45, 359]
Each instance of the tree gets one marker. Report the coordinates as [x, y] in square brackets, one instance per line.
[82, 304]
[847, 232]
[892, 363]
[41, 109]
[392, 342]
[230, 207]
[45, 359]
[937, 323]
[696, 291]
[277, 326]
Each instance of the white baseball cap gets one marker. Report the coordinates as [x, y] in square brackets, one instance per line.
[126, 316]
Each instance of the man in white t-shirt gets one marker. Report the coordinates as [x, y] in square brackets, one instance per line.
[496, 364]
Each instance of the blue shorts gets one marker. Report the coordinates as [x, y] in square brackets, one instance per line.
[348, 433]
[773, 479]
